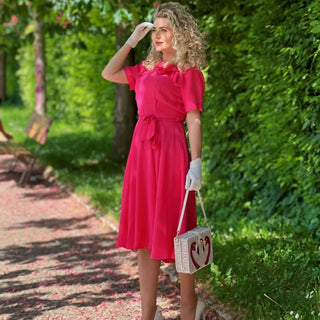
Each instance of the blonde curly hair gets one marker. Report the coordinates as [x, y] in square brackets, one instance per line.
[187, 40]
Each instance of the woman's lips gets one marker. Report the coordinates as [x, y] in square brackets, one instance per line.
[158, 43]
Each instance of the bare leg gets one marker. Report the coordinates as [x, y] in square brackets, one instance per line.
[188, 296]
[148, 278]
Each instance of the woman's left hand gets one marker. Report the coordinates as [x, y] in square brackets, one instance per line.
[194, 175]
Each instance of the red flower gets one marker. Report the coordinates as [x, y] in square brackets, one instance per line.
[14, 21]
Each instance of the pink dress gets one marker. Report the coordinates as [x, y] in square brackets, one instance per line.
[154, 179]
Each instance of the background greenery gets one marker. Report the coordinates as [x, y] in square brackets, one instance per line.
[261, 138]
[263, 105]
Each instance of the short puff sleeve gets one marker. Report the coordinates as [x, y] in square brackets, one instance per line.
[192, 90]
[132, 72]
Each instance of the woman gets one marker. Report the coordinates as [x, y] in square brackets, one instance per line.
[169, 90]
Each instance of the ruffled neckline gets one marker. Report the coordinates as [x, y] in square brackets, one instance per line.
[172, 72]
[165, 70]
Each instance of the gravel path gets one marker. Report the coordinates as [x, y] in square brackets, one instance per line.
[59, 261]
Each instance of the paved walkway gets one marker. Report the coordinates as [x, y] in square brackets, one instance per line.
[59, 261]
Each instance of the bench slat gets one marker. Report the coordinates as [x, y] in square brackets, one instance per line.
[37, 129]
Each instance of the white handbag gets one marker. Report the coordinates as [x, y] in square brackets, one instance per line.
[193, 249]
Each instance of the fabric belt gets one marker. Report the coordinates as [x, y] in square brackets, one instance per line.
[149, 127]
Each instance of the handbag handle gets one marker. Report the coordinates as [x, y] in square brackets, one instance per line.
[184, 208]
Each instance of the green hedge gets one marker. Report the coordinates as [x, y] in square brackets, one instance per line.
[75, 88]
[26, 75]
[75, 84]
[261, 125]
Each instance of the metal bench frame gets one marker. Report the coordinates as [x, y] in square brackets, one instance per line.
[37, 129]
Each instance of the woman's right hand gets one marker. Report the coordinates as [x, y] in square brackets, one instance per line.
[139, 33]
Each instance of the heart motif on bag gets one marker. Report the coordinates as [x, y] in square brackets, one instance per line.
[207, 245]
[202, 250]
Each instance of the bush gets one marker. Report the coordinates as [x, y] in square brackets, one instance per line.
[75, 88]
[261, 155]
[75, 84]
[26, 75]
[262, 112]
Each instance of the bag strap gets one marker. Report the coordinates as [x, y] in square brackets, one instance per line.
[184, 208]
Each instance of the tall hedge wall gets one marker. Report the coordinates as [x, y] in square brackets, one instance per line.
[75, 58]
[261, 125]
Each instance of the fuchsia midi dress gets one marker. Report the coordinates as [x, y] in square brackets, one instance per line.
[158, 161]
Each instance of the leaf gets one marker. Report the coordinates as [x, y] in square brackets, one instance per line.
[29, 29]
[122, 15]
[316, 28]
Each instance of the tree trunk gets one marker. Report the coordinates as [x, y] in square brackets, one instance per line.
[2, 76]
[125, 109]
[39, 65]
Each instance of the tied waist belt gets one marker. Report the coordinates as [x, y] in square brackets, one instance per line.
[149, 127]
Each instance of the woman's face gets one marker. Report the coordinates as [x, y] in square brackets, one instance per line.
[162, 36]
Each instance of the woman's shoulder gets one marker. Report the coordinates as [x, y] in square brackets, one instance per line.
[191, 71]
[193, 74]
[135, 70]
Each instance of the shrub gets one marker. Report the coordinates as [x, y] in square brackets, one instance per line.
[262, 111]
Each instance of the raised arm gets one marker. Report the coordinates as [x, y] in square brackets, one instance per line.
[113, 71]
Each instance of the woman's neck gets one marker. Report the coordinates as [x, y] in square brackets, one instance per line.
[168, 57]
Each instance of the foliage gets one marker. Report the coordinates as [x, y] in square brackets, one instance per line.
[75, 85]
[262, 136]
[261, 152]
[12, 86]
[26, 75]
[268, 275]
[75, 88]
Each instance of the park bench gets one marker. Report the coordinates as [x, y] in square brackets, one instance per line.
[37, 130]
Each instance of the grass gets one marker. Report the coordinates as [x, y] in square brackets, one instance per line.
[261, 272]
[266, 275]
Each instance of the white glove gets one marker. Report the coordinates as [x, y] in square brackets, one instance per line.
[139, 33]
[193, 179]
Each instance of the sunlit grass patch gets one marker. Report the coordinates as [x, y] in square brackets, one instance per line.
[266, 274]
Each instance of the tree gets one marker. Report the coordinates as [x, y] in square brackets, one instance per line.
[125, 107]
[125, 14]
[39, 48]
